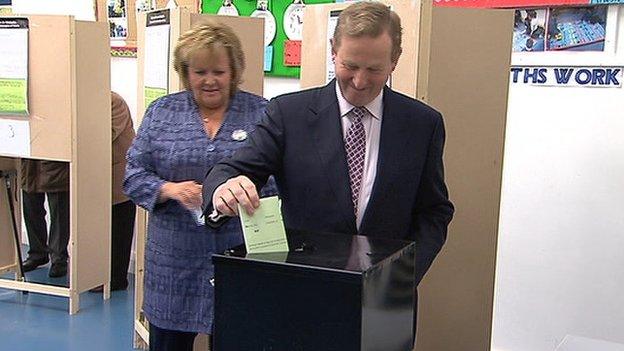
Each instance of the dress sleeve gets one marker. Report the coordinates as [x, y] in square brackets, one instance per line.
[142, 183]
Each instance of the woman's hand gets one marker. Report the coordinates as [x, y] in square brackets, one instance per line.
[187, 193]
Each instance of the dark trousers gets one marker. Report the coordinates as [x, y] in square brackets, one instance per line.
[170, 340]
[122, 230]
[34, 217]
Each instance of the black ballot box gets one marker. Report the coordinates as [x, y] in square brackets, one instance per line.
[329, 292]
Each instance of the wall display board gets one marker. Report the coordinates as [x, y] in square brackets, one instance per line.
[441, 66]
[250, 32]
[560, 28]
[520, 3]
[69, 120]
[283, 28]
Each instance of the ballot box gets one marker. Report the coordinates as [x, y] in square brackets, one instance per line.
[329, 292]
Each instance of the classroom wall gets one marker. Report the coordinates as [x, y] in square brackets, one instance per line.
[561, 234]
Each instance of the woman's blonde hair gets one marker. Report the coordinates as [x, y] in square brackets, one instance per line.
[209, 35]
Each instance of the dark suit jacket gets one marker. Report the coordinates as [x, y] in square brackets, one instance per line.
[300, 141]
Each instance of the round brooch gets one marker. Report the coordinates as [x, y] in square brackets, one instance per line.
[239, 135]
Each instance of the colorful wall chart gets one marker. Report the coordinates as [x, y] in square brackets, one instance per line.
[282, 57]
[521, 3]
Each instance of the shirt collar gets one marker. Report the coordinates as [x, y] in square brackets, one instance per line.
[375, 107]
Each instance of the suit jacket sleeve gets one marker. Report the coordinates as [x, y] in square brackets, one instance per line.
[433, 211]
[259, 158]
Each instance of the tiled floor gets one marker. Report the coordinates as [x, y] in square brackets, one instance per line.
[42, 322]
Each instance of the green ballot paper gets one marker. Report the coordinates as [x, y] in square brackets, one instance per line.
[264, 231]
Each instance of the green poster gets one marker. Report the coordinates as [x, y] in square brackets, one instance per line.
[13, 96]
[152, 94]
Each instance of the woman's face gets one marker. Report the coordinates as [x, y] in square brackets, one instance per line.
[209, 75]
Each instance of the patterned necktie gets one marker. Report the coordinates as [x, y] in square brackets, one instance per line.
[355, 146]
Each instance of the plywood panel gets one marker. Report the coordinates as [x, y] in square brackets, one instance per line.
[50, 87]
[467, 82]
[249, 30]
[91, 165]
[316, 41]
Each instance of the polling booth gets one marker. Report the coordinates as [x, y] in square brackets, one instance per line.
[55, 84]
[157, 34]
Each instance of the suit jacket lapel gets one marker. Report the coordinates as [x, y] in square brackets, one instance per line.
[326, 129]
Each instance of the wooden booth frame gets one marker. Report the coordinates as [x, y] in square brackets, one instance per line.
[70, 120]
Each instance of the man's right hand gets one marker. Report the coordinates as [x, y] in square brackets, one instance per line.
[238, 190]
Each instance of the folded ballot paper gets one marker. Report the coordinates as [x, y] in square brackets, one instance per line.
[264, 231]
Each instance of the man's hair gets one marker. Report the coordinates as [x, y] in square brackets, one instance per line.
[209, 35]
[370, 19]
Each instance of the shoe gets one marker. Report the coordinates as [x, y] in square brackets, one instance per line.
[32, 263]
[58, 269]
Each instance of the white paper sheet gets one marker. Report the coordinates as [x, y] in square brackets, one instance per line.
[14, 137]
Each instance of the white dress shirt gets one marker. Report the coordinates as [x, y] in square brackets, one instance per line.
[372, 127]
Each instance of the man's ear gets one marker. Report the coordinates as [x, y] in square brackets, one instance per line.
[333, 50]
[394, 63]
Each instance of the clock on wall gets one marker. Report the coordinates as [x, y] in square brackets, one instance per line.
[227, 9]
[262, 11]
[293, 20]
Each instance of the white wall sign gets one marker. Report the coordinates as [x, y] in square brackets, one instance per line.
[598, 77]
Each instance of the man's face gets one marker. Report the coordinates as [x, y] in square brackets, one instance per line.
[363, 66]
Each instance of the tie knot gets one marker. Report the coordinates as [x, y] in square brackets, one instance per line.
[357, 113]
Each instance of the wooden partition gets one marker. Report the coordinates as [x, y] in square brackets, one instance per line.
[8, 255]
[456, 60]
[250, 32]
[70, 120]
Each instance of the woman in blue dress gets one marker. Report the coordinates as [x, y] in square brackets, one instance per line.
[181, 136]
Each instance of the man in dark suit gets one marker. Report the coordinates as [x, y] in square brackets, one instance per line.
[351, 157]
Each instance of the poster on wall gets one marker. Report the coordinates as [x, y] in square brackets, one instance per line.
[5, 7]
[577, 28]
[156, 71]
[14, 66]
[145, 5]
[529, 30]
[560, 28]
[117, 19]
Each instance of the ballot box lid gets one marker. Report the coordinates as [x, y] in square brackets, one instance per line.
[349, 254]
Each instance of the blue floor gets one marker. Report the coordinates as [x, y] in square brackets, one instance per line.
[42, 322]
